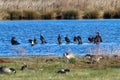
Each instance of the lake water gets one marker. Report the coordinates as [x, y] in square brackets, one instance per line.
[28, 29]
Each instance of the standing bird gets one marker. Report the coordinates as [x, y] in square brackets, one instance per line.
[79, 40]
[98, 38]
[4, 69]
[33, 42]
[75, 40]
[91, 39]
[59, 39]
[14, 41]
[42, 39]
[67, 39]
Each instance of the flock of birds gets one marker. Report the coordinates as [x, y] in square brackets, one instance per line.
[76, 40]
[97, 39]
[92, 59]
[8, 70]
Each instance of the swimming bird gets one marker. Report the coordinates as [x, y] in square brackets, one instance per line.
[42, 39]
[59, 39]
[14, 41]
[79, 40]
[75, 40]
[91, 39]
[4, 69]
[33, 42]
[97, 38]
[67, 39]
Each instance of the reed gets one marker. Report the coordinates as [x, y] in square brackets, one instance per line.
[14, 15]
[91, 14]
[70, 14]
[30, 14]
[45, 9]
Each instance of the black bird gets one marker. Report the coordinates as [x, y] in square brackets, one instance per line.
[67, 40]
[33, 42]
[79, 40]
[98, 38]
[25, 67]
[63, 71]
[91, 39]
[4, 69]
[14, 41]
[59, 39]
[42, 39]
[75, 39]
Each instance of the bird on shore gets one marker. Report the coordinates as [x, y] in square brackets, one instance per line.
[93, 58]
[25, 67]
[63, 71]
[69, 55]
[4, 69]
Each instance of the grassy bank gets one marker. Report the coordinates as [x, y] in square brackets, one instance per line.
[45, 68]
[59, 9]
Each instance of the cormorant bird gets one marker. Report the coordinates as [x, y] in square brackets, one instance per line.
[59, 39]
[67, 40]
[42, 39]
[14, 41]
[75, 39]
[98, 38]
[91, 39]
[79, 40]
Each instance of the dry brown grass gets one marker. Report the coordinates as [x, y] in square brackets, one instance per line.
[4, 60]
[47, 7]
[55, 4]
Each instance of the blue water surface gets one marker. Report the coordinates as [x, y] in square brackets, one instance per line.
[24, 30]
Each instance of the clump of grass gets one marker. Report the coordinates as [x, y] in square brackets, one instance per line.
[109, 14]
[117, 14]
[29, 14]
[71, 14]
[112, 14]
[26, 14]
[46, 16]
[55, 14]
[72, 60]
[91, 14]
[14, 15]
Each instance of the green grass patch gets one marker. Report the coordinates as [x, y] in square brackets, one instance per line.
[45, 68]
